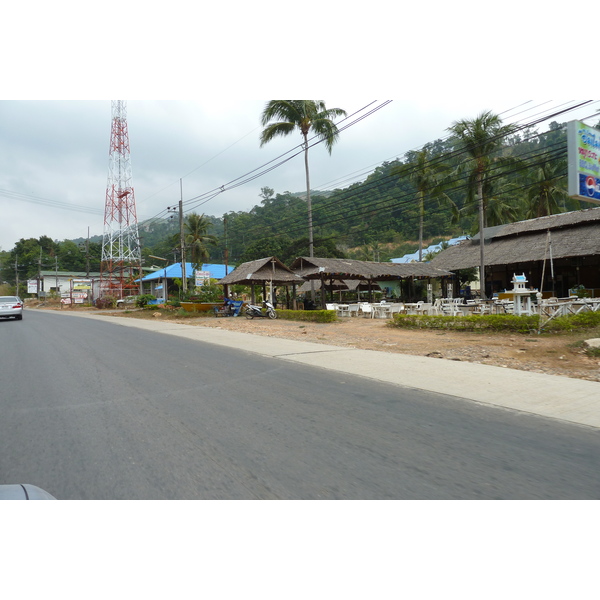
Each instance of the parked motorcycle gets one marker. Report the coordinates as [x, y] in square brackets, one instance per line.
[252, 310]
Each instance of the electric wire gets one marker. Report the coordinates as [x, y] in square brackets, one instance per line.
[539, 118]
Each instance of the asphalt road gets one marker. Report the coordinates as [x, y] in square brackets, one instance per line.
[94, 410]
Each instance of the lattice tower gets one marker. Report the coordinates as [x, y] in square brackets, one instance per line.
[121, 253]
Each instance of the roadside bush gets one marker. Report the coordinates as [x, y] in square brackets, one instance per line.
[585, 320]
[495, 323]
[315, 316]
[210, 292]
[106, 302]
[143, 300]
[499, 323]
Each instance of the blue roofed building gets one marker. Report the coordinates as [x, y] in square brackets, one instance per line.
[414, 257]
[156, 280]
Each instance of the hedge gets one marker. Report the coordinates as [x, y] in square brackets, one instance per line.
[316, 316]
[498, 323]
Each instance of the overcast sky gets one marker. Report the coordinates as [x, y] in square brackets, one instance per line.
[217, 68]
[54, 154]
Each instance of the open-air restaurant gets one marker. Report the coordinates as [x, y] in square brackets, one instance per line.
[380, 282]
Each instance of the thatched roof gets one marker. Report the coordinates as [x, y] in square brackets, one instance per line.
[263, 270]
[343, 269]
[571, 234]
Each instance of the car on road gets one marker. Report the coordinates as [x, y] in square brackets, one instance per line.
[11, 306]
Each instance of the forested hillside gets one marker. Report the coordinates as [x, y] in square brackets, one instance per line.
[429, 193]
[526, 179]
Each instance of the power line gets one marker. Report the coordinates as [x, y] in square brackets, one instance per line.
[48, 202]
[343, 214]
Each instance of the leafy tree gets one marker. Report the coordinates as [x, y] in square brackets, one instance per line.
[480, 138]
[265, 247]
[325, 248]
[283, 117]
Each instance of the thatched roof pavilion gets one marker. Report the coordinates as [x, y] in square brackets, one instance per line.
[262, 271]
[330, 270]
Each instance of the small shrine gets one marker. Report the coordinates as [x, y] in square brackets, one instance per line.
[521, 296]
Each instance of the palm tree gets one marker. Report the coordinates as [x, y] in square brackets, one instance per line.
[548, 192]
[283, 117]
[196, 237]
[480, 138]
[424, 173]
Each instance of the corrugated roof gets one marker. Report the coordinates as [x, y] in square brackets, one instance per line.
[174, 271]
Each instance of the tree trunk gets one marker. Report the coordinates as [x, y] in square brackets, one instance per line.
[481, 240]
[309, 208]
[421, 212]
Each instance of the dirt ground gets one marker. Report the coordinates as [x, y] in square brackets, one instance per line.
[552, 354]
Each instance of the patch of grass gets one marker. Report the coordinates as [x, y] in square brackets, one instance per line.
[315, 316]
[593, 352]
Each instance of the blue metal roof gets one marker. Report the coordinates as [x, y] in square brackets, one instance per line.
[174, 271]
[414, 257]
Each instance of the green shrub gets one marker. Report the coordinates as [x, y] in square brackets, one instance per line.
[143, 300]
[496, 323]
[315, 316]
[209, 292]
[499, 323]
[584, 320]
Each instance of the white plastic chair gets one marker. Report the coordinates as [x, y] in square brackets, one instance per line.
[353, 310]
[424, 308]
[367, 310]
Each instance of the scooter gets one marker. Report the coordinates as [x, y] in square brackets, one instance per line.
[252, 310]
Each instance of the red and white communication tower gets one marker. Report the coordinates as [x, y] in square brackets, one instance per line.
[121, 254]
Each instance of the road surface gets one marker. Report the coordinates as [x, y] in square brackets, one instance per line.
[94, 410]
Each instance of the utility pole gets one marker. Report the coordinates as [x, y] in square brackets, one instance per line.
[39, 283]
[182, 238]
[87, 255]
[226, 288]
[56, 275]
[226, 248]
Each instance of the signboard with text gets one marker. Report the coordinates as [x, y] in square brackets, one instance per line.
[202, 278]
[81, 284]
[583, 145]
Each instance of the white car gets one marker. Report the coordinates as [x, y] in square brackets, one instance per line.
[11, 306]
